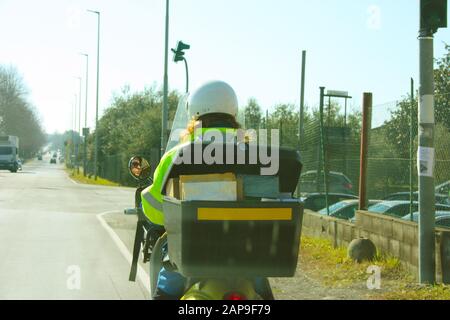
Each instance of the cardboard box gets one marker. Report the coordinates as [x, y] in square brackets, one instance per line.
[210, 187]
[173, 188]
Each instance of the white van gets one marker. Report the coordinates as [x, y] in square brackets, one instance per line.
[9, 153]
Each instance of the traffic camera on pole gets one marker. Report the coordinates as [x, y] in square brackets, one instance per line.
[178, 52]
[433, 14]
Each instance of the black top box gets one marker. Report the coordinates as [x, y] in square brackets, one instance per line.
[233, 239]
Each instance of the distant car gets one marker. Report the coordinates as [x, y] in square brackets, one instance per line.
[337, 182]
[316, 201]
[442, 218]
[400, 208]
[440, 198]
[19, 164]
[39, 157]
[345, 209]
[53, 160]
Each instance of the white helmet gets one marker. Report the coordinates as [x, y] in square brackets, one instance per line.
[213, 97]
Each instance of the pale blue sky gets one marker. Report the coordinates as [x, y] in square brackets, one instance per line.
[255, 45]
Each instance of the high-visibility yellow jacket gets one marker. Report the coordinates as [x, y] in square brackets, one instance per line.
[152, 196]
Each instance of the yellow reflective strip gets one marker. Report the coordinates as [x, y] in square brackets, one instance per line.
[239, 214]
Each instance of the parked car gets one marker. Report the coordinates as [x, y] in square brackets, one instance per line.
[345, 209]
[400, 208]
[337, 182]
[442, 218]
[53, 160]
[443, 188]
[316, 201]
[440, 198]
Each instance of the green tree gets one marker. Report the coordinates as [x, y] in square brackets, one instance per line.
[397, 128]
[252, 114]
[17, 116]
[286, 119]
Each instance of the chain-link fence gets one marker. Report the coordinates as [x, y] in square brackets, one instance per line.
[392, 151]
[390, 159]
[393, 147]
[115, 167]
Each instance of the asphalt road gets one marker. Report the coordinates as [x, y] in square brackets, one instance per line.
[63, 240]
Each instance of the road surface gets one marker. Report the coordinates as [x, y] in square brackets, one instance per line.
[54, 237]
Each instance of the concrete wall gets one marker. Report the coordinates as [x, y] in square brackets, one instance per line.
[395, 237]
[340, 232]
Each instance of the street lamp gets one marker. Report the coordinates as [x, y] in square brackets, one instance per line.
[340, 94]
[96, 103]
[85, 114]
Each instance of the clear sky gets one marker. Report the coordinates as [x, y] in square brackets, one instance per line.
[255, 45]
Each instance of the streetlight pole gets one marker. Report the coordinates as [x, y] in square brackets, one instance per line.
[85, 114]
[96, 102]
[165, 99]
[301, 127]
[74, 126]
[79, 126]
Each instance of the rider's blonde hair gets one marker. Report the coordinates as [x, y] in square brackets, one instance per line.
[211, 120]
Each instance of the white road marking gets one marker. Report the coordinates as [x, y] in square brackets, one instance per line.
[72, 180]
[142, 275]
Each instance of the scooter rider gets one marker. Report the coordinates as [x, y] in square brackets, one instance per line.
[215, 106]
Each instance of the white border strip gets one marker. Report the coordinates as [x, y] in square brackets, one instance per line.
[142, 275]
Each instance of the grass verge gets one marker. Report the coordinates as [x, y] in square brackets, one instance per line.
[79, 177]
[334, 269]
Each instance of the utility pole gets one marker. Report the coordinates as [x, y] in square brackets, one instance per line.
[411, 142]
[166, 84]
[96, 102]
[301, 131]
[301, 127]
[433, 15]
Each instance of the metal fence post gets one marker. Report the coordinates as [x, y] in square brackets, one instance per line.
[323, 152]
[366, 118]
